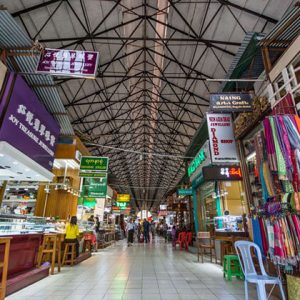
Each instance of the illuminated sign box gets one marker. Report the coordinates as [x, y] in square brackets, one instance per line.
[222, 173]
[123, 197]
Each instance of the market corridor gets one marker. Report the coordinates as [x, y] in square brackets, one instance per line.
[152, 271]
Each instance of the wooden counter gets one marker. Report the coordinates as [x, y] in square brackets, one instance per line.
[22, 270]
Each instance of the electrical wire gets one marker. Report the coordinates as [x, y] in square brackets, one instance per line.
[139, 152]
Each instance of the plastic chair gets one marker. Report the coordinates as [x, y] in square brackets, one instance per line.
[181, 240]
[189, 238]
[243, 249]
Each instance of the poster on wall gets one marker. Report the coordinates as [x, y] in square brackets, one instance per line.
[26, 124]
[72, 63]
[221, 138]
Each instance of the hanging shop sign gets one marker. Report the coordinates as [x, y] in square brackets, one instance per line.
[222, 173]
[123, 197]
[26, 124]
[71, 63]
[94, 164]
[231, 102]
[94, 187]
[221, 138]
[184, 192]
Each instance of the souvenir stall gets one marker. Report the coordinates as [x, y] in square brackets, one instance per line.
[272, 157]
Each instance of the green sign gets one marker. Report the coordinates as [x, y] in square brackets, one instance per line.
[122, 205]
[197, 161]
[94, 187]
[184, 192]
[92, 175]
[86, 201]
[94, 163]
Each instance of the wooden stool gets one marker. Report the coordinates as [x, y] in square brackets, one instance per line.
[4, 266]
[226, 249]
[47, 248]
[69, 251]
[59, 240]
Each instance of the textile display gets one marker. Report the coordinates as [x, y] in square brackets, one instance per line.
[276, 216]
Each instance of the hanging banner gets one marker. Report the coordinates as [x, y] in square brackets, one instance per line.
[71, 63]
[26, 124]
[93, 164]
[221, 138]
[231, 102]
[222, 173]
[94, 187]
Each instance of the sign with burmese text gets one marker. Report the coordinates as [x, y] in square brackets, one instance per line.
[27, 125]
[231, 102]
[221, 138]
[222, 173]
[72, 63]
[93, 164]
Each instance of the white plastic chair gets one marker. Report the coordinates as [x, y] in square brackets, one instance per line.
[243, 249]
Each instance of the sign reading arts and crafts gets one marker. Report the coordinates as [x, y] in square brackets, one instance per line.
[221, 138]
[123, 197]
[231, 102]
[93, 164]
[184, 192]
[26, 124]
[94, 187]
[222, 173]
[72, 63]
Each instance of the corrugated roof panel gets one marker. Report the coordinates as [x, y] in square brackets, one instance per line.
[285, 31]
[12, 36]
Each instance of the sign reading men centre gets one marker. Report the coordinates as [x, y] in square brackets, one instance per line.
[221, 138]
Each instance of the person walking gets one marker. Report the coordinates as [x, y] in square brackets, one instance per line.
[146, 226]
[130, 232]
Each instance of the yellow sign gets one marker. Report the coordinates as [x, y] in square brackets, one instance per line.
[123, 197]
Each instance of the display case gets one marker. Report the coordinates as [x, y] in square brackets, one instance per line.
[16, 224]
[229, 224]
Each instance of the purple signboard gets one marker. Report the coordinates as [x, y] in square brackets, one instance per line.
[27, 125]
[68, 63]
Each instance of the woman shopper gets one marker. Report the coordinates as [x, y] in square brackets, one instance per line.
[130, 232]
[72, 234]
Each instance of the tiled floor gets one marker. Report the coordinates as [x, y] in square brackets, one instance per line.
[151, 271]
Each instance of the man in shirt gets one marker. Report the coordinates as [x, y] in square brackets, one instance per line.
[130, 232]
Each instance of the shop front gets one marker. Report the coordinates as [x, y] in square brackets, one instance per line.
[28, 137]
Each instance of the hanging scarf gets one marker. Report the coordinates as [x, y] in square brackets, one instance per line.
[257, 234]
[270, 145]
[280, 159]
[284, 145]
[271, 239]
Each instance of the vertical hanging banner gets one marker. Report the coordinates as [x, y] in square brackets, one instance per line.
[221, 138]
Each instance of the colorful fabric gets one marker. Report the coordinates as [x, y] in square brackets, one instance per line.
[270, 145]
[279, 156]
